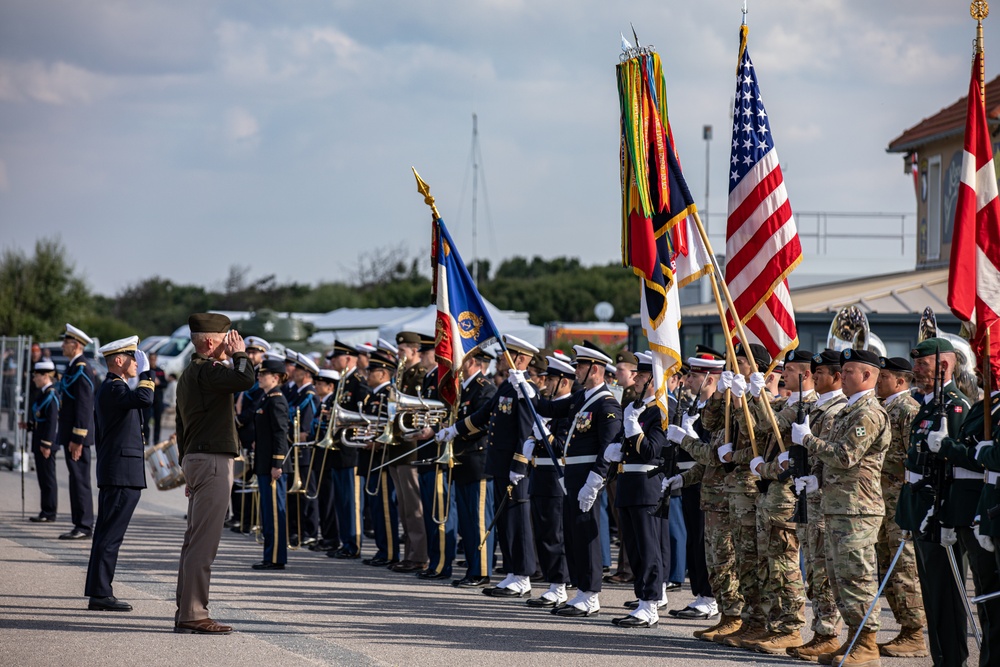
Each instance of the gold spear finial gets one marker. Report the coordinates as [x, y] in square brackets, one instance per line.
[425, 190]
[980, 9]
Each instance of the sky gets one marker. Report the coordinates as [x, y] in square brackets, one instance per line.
[181, 137]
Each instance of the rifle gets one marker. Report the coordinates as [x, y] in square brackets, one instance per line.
[636, 404]
[935, 470]
[667, 466]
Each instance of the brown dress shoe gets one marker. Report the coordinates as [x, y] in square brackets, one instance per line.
[815, 647]
[205, 626]
[909, 643]
[726, 625]
[618, 579]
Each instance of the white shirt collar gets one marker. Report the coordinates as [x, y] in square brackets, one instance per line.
[587, 394]
[858, 396]
[828, 396]
[376, 389]
[468, 380]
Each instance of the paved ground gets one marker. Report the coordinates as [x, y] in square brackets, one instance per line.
[319, 611]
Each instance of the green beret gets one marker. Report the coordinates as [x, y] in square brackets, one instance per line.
[931, 346]
[209, 323]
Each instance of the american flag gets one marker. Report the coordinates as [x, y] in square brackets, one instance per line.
[762, 244]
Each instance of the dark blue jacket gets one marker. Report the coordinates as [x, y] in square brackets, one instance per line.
[470, 450]
[271, 426]
[76, 416]
[637, 488]
[44, 419]
[118, 416]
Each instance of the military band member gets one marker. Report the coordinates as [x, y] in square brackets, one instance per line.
[246, 406]
[507, 423]
[121, 474]
[304, 405]
[473, 485]
[76, 431]
[380, 491]
[288, 388]
[852, 457]
[342, 481]
[404, 475]
[902, 591]
[43, 422]
[547, 494]
[946, 619]
[326, 382]
[271, 427]
[597, 423]
[638, 494]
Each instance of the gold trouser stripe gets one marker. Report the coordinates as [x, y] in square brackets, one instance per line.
[389, 528]
[484, 567]
[357, 510]
[274, 510]
[441, 532]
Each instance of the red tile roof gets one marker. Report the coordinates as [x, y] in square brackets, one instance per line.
[947, 122]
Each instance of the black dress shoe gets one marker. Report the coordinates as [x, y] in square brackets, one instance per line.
[632, 622]
[571, 611]
[76, 534]
[497, 592]
[672, 585]
[634, 604]
[268, 566]
[690, 613]
[471, 582]
[110, 603]
[309, 541]
[40, 519]
[431, 575]
[342, 553]
[236, 528]
[542, 603]
[376, 561]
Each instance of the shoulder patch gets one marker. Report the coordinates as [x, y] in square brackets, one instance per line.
[611, 415]
[860, 431]
[958, 409]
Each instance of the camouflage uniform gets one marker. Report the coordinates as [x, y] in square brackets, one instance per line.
[902, 591]
[781, 589]
[826, 615]
[852, 459]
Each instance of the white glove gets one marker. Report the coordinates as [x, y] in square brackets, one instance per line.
[545, 433]
[447, 433]
[528, 449]
[783, 460]
[800, 431]
[755, 463]
[673, 483]
[809, 483]
[141, 362]
[756, 384]
[726, 381]
[948, 537]
[739, 386]
[985, 541]
[515, 477]
[588, 494]
[934, 438]
[631, 423]
[676, 434]
[688, 421]
[983, 444]
[524, 390]
[923, 523]
[725, 450]
[613, 454]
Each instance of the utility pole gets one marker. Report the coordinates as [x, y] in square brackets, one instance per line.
[475, 184]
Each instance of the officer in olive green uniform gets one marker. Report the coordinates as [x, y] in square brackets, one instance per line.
[852, 458]
[902, 590]
[946, 619]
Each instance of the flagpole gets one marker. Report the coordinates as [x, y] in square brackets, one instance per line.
[979, 11]
[739, 325]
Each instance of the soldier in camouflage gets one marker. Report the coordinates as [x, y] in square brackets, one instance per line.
[852, 458]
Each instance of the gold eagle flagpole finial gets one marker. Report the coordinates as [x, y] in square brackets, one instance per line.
[425, 190]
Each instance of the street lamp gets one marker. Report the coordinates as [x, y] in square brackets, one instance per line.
[706, 134]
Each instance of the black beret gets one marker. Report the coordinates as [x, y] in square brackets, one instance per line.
[861, 357]
[209, 323]
[931, 346]
[798, 355]
[408, 337]
[827, 357]
[896, 364]
[705, 349]
[626, 357]
[272, 365]
[759, 353]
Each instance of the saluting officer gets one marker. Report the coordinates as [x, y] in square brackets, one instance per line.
[271, 428]
[121, 476]
[473, 486]
[76, 430]
[342, 480]
[43, 423]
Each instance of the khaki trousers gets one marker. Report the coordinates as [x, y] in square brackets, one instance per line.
[411, 512]
[209, 482]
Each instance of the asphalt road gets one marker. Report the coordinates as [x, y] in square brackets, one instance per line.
[319, 611]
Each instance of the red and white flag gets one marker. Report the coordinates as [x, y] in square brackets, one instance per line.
[974, 275]
[762, 244]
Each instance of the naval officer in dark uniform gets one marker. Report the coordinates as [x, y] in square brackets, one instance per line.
[121, 476]
[43, 422]
[271, 428]
[76, 431]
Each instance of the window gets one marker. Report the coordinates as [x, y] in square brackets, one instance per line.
[934, 208]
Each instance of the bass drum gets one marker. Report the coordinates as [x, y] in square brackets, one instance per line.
[164, 464]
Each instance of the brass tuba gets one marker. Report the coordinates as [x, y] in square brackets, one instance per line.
[850, 330]
[414, 413]
[964, 374]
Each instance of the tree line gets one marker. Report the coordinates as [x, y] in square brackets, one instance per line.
[40, 292]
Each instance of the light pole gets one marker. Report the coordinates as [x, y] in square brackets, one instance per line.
[706, 133]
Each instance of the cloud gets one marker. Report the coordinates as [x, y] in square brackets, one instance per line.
[241, 126]
[57, 83]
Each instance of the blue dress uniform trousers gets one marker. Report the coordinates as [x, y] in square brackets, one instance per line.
[273, 518]
[474, 502]
[345, 485]
[441, 538]
[642, 542]
[305, 511]
[583, 543]
[604, 516]
[115, 507]
[514, 528]
[47, 486]
[326, 503]
[694, 523]
[678, 541]
[81, 498]
[385, 517]
[547, 522]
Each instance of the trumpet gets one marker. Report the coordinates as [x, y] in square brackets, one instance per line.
[327, 443]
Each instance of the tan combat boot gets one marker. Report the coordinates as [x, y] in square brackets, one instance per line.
[816, 646]
[750, 630]
[864, 653]
[777, 642]
[725, 626]
[750, 642]
[833, 657]
[909, 643]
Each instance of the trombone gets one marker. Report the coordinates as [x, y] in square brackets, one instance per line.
[296, 487]
[327, 444]
[386, 438]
